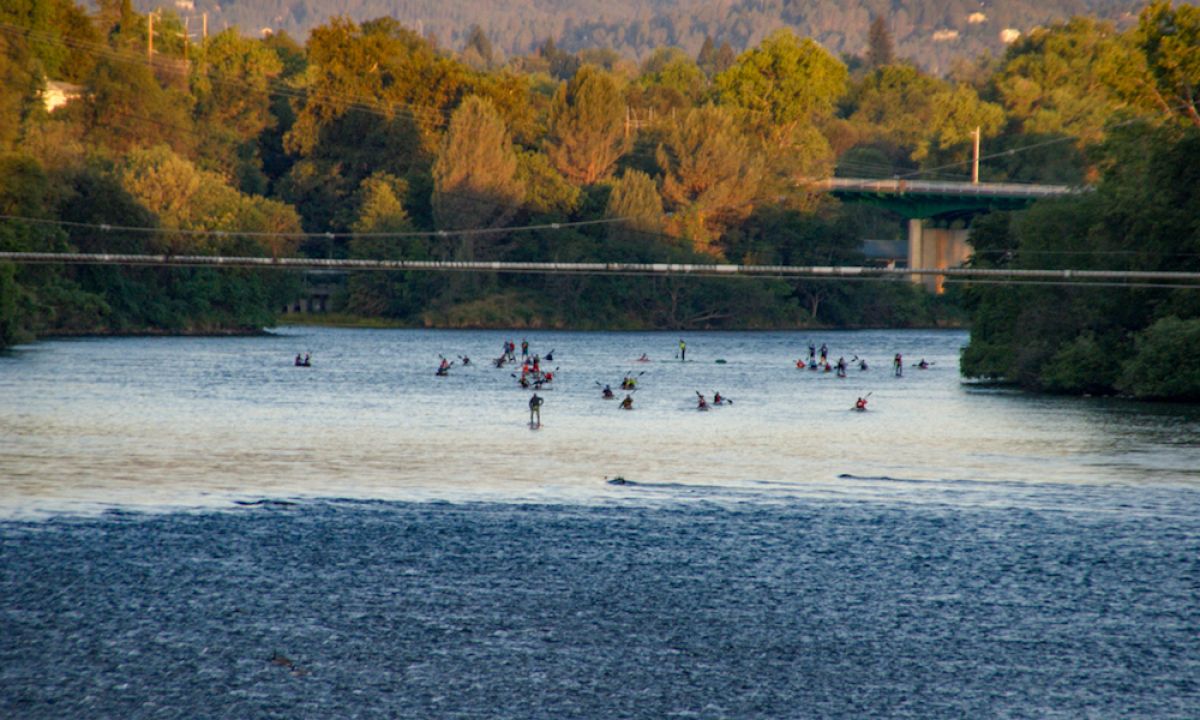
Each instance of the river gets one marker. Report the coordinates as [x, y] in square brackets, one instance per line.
[174, 512]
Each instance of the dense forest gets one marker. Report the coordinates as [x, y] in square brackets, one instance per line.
[119, 132]
[933, 34]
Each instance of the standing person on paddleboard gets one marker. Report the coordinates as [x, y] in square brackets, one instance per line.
[682, 350]
[535, 411]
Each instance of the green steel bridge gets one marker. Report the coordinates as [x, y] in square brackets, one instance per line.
[931, 208]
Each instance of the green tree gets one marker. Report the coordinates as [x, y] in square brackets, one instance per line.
[19, 86]
[380, 78]
[635, 199]
[706, 59]
[880, 48]
[901, 106]
[669, 80]
[380, 209]
[231, 80]
[711, 175]
[547, 192]
[1069, 79]
[783, 82]
[60, 36]
[125, 107]
[1140, 217]
[183, 197]
[478, 52]
[586, 135]
[1170, 39]
[1166, 361]
[474, 176]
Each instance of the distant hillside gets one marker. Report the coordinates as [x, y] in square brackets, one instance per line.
[931, 32]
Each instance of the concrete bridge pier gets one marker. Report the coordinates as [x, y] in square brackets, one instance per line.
[935, 247]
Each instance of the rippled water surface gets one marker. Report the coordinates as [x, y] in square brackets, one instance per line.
[174, 512]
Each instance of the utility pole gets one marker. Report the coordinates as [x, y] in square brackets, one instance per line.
[975, 164]
[204, 27]
[150, 37]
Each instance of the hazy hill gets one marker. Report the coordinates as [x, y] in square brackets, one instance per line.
[932, 32]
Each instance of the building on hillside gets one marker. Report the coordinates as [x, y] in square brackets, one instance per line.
[56, 94]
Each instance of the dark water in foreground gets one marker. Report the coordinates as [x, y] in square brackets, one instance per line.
[176, 511]
[800, 609]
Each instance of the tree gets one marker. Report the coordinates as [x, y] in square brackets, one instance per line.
[899, 106]
[671, 70]
[475, 181]
[587, 131]
[547, 192]
[635, 199]
[380, 208]
[706, 59]
[381, 76]
[880, 50]
[783, 82]
[711, 175]
[185, 197]
[478, 52]
[61, 38]
[1166, 361]
[725, 58]
[1140, 217]
[1069, 79]
[125, 107]
[1170, 38]
[19, 84]
[230, 81]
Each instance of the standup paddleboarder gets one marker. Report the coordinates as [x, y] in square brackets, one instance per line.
[535, 411]
[682, 350]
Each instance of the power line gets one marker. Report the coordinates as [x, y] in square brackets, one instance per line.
[104, 227]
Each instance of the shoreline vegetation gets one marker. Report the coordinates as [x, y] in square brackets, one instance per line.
[343, 320]
[371, 140]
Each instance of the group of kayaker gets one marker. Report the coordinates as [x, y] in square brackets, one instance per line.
[532, 376]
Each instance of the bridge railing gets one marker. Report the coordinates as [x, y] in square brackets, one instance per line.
[897, 186]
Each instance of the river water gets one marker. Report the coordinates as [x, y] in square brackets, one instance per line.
[174, 512]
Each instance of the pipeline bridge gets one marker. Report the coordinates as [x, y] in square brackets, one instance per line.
[1124, 278]
[935, 254]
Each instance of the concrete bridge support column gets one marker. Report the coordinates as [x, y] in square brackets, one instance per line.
[930, 247]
